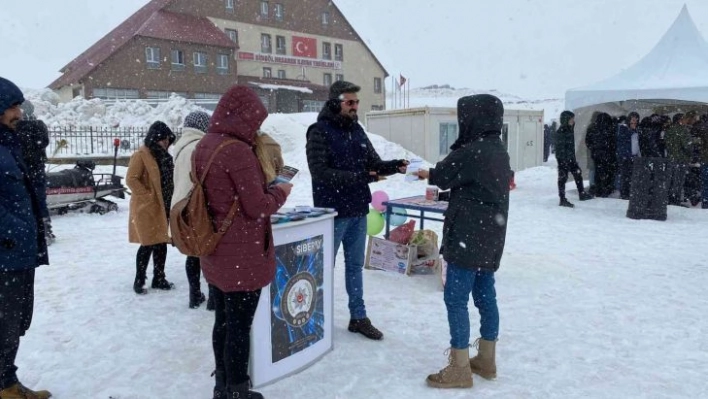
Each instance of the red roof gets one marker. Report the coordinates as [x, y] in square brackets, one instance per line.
[149, 21]
[184, 28]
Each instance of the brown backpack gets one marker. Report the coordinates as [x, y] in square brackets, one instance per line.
[191, 224]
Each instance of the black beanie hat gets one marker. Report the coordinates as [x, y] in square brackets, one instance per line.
[340, 87]
[159, 131]
[10, 95]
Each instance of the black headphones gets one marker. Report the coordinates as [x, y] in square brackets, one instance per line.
[334, 105]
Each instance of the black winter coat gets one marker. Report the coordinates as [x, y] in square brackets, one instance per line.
[34, 139]
[565, 144]
[340, 157]
[601, 140]
[477, 173]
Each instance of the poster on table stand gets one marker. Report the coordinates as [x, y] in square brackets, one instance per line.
[293, 325]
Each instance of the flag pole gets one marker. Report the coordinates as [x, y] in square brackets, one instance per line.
[408, 90]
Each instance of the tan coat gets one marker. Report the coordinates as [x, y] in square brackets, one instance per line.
[148, 222]
[275, 153]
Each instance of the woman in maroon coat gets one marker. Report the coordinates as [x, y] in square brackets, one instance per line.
[244, 260]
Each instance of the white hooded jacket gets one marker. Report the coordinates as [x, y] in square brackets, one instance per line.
[183, 162]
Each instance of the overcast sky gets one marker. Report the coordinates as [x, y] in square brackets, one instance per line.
[535, 49]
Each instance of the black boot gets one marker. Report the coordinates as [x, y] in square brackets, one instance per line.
[220, 391]
[365, 328]
[243, 391]
[585, 196]
[196, 299]
[158, 259]
[140, 277]
[565, 203]
[192, 267]
[162, 284]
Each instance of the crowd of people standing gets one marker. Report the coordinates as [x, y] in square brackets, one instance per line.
[615, 143]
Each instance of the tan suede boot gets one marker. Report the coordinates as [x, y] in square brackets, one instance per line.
[484, 364]
[19, 391]
[457, 374]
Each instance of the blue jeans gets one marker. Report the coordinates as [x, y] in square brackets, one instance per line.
[460, 282]
[352, 233]
[704, 185]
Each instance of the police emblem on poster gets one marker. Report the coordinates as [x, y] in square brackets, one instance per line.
[297, 311]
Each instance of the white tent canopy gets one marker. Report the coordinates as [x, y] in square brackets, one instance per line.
[672, 77]
[675, 69]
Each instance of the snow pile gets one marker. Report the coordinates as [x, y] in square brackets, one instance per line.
[81, 112]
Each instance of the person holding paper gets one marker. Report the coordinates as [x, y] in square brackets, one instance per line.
[343, 162]
[477, 173]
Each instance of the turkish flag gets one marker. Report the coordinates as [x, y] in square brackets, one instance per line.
[304, 47]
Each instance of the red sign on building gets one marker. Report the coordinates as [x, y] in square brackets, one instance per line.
[304, 47]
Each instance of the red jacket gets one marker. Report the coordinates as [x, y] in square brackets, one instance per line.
[244, 259]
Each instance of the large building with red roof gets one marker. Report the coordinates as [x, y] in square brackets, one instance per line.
[289, 51]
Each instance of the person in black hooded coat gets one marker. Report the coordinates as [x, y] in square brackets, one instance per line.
[477, 173]
[602, 143]
[567, 163]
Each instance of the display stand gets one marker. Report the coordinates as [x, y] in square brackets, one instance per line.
[418, 204]
[293, 325]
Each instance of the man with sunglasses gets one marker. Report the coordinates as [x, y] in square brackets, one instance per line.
[342, 163]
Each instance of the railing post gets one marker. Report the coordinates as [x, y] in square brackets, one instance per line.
[91, 138]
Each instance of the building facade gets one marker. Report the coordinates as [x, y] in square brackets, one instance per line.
[289, 51]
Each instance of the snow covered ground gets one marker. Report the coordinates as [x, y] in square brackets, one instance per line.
[592, 304]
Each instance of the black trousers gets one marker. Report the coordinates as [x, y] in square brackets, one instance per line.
[678, 179]
[569, 167]
[626, 166]
[231, 337]
[605, 171]
[16, 308]
[159, 257]
[194, 272]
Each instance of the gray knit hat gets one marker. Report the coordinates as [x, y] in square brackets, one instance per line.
[27, 110]
[197, 120]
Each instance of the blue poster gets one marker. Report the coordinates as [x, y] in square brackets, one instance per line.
[296, 294]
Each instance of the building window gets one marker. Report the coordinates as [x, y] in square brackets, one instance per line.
[152, 57]
[281, 74]
[267, 72]
[177, 60]
[163, 94]
[222, 64]
[312, 106]
[327, 79]
[265, 44]
[377, 85]
[115, 94]
[377, 107]
[280, 45]
[339, 77]
[279, 12]
[230, 5]
[200, 62]
[326, 51]
[264, 9]
[338, 52]
[325, 18]
[448, 135]
[207, 96]
[233, 35]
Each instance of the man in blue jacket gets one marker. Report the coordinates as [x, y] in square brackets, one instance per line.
[342, 163]
[22, 243]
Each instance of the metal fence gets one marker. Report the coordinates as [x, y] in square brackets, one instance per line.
[73, 141]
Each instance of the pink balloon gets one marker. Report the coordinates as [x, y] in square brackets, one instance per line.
[377, 200]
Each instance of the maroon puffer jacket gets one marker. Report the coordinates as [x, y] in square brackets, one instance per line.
[244, 260]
